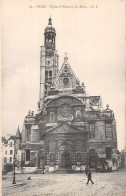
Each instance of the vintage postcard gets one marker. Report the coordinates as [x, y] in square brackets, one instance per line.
[63, 98]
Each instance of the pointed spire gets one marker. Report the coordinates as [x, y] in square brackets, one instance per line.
[18, 132]
[50, 21]
[66, 57]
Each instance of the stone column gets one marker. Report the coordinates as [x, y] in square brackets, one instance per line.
[84, 150]
[42, 77]
[47, 152]
[74, 153]
[114, 130]
[56, 153]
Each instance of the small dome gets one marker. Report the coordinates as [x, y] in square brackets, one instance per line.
[50, 28]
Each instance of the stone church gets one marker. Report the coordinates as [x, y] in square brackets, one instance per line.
[70, 129]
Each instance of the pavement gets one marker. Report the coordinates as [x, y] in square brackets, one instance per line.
[105, 184]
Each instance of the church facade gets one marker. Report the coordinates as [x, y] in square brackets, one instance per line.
[70, 129]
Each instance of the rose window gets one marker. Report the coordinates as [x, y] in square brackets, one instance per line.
[66, 81]
[65, 111]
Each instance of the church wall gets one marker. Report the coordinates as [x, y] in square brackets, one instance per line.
[35, 134]
[99, 130]
[114, 130]
[23, 135]
[100, 145]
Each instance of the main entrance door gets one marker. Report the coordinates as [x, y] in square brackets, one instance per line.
[65, 160]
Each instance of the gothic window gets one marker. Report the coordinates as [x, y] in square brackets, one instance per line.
[49, 38]
[78, 157]
[46, 39]
[108, 131]
[28, 132]
[46, 74]
[53, 39]
[50, 74]
[27, 155]
[52, 157]
[65, 69]
[92, 130]
[45, 87]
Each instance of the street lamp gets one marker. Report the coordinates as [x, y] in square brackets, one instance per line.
[14, 161]
[14, 170]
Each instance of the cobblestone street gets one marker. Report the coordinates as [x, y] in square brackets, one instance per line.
[105, 184]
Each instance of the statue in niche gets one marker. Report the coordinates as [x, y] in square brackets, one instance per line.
[52, 117]
[78, 115]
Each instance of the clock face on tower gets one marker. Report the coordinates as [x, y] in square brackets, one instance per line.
[49, 62]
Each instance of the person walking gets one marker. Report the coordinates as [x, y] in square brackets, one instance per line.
[89, 177]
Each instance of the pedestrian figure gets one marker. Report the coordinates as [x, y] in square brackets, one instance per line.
[89, 177]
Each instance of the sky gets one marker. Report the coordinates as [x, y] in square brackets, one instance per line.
[93, 38]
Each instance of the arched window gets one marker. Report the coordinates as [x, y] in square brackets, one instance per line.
[27, 155]
[46, 38]
[50, 38]
[108, 131]
[65, 69]
[46, 87]
[52, 157]
[92, 130]
[50, 74]
[46, 73]
[53, 39]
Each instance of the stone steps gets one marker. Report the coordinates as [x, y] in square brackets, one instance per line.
[65, 171]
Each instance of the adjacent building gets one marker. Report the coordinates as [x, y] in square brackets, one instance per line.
[10, 149]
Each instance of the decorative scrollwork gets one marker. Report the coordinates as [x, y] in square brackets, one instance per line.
[91, 116]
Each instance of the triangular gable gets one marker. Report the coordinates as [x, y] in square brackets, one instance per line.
[64, 75]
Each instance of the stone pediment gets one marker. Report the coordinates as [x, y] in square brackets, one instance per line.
[65, 129]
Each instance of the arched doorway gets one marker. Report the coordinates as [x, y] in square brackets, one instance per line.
[65, 160]
[41, 159]
[92, 158]
[65, 156]
[41, 162]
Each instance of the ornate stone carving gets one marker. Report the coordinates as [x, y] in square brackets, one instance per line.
[91, 116]
[94, 100]
[52, 146]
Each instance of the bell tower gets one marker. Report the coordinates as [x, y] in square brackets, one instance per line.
[50, 38]
[51, 56]
[49, 62]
